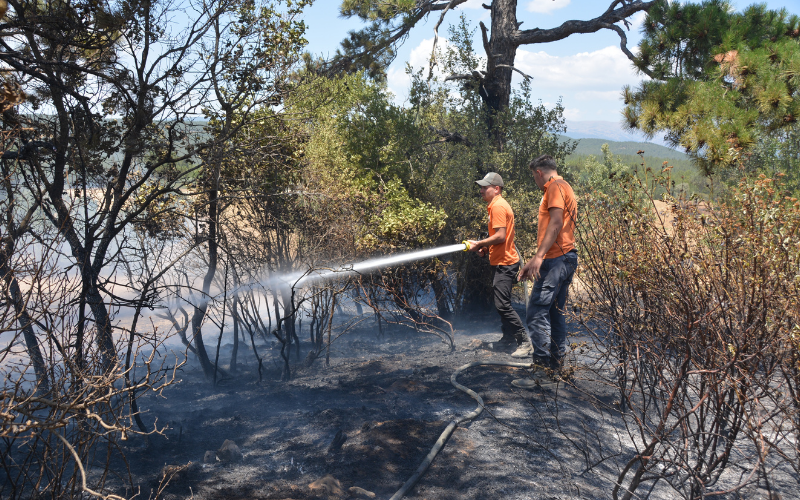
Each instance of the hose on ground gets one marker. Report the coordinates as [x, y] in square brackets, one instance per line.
[423, 467]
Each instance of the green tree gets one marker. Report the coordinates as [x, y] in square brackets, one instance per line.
[723, 81]
[778, 153]
[437, 147]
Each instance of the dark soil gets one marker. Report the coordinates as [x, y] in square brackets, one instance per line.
[389, 398]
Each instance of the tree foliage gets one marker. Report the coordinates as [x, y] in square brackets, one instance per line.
[412, 169]
[723, 81]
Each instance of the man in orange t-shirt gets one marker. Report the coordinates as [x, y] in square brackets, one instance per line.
[553, 266]
[504, 258]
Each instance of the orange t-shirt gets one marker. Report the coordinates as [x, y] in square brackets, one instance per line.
[558, 194]
[501, 215]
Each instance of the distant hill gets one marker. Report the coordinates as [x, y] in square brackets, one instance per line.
[593, 147]
[612, 131]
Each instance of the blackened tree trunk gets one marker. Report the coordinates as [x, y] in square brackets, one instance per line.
[26, 325]
[501, 50]
[213, 259]
[235, 352]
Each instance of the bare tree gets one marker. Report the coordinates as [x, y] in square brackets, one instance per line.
[124, 115]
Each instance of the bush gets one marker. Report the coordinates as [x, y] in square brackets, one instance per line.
[696, 306]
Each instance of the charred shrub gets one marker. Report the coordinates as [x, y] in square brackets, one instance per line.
[695, 306]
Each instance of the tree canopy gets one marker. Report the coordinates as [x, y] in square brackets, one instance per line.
[722, 81]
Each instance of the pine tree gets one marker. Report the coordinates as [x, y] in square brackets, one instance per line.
[722, 81]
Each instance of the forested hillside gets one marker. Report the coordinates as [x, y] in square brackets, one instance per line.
[588, 147]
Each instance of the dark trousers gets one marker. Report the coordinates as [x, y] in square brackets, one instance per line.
[503, 281]
[545, 316]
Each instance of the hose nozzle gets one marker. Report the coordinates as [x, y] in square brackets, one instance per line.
[466, 245]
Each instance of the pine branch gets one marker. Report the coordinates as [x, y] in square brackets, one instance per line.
[423, 8]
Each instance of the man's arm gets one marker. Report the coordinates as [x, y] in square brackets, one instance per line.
[531, 269]
[497, 238]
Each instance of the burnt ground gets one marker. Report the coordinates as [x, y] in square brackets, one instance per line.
[390, 397]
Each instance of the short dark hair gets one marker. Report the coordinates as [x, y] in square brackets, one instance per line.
[543, 162]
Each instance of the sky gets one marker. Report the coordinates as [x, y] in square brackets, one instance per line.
[587, 72]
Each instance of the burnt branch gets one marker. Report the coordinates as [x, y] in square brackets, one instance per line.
[618, 11]
[447, 136]
[525, 75]
[432, 63]
[28, 150]
[623, 44]
[487, 47]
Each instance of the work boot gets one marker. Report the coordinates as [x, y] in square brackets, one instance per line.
[523, 351]
[505, 343]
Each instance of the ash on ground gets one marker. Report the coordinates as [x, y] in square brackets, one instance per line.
[360, 427]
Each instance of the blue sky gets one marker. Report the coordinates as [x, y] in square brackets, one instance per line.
[586, 71]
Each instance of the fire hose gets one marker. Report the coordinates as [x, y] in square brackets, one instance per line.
[423, 467]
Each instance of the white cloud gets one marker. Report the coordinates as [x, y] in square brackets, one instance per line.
[547, 6]
[606, 69]
[398, 81]
[419, 58]
[474, 4]
[589, 83]
[637, 20]
[421, 54]
[572, 113]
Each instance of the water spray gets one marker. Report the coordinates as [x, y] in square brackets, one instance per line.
[372, 264]
[302, 277]
[299, 278]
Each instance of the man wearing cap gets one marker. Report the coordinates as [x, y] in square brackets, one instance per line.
[504, 258]
[551, 268]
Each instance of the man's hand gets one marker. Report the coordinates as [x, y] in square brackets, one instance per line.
[475, 246]
[481, 247]
[530, 271]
